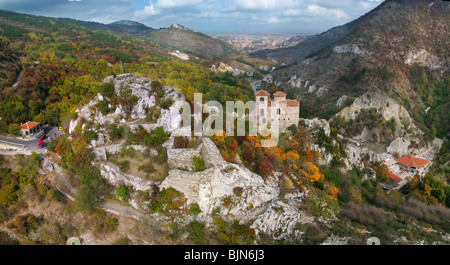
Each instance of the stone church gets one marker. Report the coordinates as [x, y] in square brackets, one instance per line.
[285, 110]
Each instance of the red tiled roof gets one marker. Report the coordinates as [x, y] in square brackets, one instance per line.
[292, 103]
[261, 93]
[28, 125]
[394, 177]
[411, 161]
[288, 102]
[279, 94]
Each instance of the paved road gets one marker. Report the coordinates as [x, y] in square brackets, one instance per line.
[32, 142]
[256, 84]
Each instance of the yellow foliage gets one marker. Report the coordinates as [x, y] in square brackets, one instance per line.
[310, 172]
[331, 191]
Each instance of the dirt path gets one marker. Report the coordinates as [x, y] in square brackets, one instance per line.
[122, 210]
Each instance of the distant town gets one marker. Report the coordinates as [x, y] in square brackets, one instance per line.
[252, 42]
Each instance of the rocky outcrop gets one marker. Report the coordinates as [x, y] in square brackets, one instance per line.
[295, 82]
[314, 125]
[384, 105]
[141, 88]
[115, 177]
[399, 146]
[348, 48]
[425, 59]
[279, 219]
[235, 68]
[180, 55]
[341, 101]
[231, 188]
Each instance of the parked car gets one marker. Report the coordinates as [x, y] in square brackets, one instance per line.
[41, 144]
[42, 137]
[60, 128]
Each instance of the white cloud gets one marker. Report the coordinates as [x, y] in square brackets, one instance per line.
[176, 3]
[272, 20]
[264, 4]
[325, 12]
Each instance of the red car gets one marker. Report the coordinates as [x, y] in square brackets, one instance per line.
[41, 144]
[42, 137]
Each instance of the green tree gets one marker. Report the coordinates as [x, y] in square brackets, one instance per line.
[86, 199]
[13, 129]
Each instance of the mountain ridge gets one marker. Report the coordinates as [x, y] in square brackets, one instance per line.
[398, 48]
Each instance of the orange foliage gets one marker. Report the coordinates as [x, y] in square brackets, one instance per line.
[331, 191]
[310, 172]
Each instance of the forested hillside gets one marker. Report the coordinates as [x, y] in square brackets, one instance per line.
[62, 65]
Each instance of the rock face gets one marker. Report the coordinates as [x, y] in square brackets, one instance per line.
[233, 189]
[236, 69]
[425, 59]
[341, 101]
[384, 105]
[280, 218]
[140, 87]
[400, 146]
[348, 48]
[180, 55]
[113, 175]
[314, 125]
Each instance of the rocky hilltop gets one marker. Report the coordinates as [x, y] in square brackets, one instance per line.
[222, 189]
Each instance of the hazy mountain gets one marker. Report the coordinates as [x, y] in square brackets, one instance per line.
[189, 40]
[176, 36]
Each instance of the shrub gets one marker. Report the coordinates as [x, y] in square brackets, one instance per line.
[103, 107]
[195, 208]
[111, 224]
[238, 190]
[107, 89]
[196, 231]
[166, 200]
[116, 132]
[122, 192]
[127, 152]
[369, 215]
[124, 165]
[148, 168]
[86, 199]
[25, 223]
[90, 135]
[166, 103]
[199, 163]
[313, 234]
[123, 241]
[320, 204]
[8, 194]
[153, 114]
[13, 129]
[180, 142]
[265, 168]
[234, 233]
[158, 137]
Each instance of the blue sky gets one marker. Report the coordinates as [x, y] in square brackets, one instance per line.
[208, 16]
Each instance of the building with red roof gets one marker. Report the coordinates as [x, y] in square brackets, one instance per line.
[262, 93]
[279, 94]
[30, 128]
[284, 111]
[394, 177]
[411, 162]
